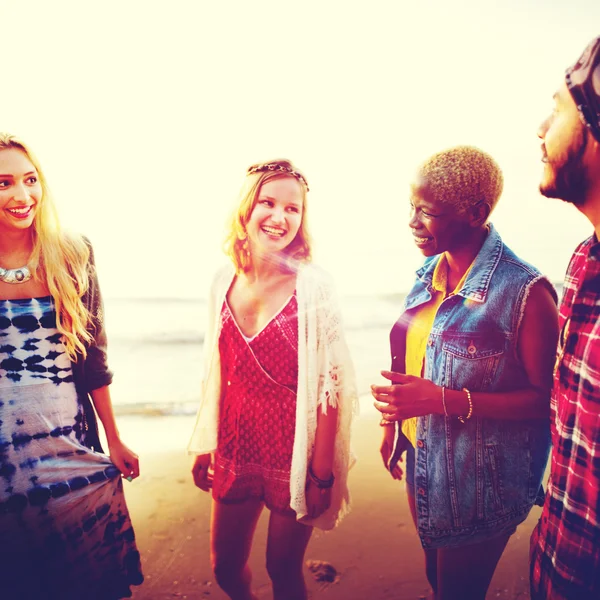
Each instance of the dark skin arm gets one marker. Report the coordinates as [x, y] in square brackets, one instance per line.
[538, 335]
[386, 450]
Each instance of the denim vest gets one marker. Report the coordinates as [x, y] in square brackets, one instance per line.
[479, 479]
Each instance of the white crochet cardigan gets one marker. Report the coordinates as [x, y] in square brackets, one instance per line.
[325, 378]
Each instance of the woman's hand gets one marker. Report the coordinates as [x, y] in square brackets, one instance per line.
[386, 450]
[124, 459]
[318, 500]
[202, 472]
[409, 397]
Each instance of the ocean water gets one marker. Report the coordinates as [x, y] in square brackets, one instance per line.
[155, 348]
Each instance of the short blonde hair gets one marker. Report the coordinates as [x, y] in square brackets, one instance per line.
[58, 260]
[463, 176]
[236, 241]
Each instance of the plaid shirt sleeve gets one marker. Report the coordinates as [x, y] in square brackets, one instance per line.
[566, 543]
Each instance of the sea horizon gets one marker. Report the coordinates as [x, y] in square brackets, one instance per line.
[155, 347]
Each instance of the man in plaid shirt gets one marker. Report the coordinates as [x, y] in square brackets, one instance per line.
[565, 545]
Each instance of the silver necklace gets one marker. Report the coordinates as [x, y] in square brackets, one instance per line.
[20, 275]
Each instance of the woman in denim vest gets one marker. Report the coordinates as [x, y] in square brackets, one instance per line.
[472, 358]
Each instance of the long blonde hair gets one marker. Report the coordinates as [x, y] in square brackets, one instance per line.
[59, 260]
[236, 242]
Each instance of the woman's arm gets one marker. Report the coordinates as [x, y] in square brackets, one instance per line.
[124, 459]
[538, 336]
[333, 404]
[536, 345]
[320, 469]
[322, 459]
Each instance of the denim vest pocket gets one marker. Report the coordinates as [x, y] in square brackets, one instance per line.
[472, 360]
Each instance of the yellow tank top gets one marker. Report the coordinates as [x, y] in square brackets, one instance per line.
[419, 329]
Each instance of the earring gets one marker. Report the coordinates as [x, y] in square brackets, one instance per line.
[245, 246]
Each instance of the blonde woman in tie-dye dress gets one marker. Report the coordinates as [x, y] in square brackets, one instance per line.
[65, 531]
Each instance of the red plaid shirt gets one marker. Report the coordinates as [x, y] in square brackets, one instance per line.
[565, 557]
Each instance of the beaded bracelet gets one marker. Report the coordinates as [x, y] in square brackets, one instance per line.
[469, 414]
[322, 484]
[385, 423]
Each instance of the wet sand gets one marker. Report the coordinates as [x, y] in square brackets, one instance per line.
[375, 550]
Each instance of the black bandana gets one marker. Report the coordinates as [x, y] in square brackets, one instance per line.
[583, 81]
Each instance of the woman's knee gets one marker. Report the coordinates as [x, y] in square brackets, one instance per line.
[226, 570]
[282, 568]
[232, 528]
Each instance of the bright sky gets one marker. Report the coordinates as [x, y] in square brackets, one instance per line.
[146, 114]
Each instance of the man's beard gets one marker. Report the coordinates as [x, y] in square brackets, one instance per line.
[571, 182]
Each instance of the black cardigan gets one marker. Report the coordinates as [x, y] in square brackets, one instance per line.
[91, 372]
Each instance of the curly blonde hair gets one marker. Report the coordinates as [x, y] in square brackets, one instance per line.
[236, 240]
[58, 260]
[463, 176]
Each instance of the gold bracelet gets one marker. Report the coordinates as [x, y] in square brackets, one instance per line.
[444, 401]
[470, 413]
[385, 423]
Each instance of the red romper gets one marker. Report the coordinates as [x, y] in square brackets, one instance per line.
[258, 410]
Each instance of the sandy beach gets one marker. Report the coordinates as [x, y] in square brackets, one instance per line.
[375, 550]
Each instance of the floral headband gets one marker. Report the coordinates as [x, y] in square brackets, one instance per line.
[278, 168]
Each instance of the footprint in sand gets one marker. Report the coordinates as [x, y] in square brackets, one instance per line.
[323, 572]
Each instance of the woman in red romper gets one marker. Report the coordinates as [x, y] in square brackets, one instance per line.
[257, 346]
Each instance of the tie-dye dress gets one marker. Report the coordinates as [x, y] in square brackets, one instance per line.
[65, 531]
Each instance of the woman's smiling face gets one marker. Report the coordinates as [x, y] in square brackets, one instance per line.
[276, 216]
[436, 226]
[20, 190]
